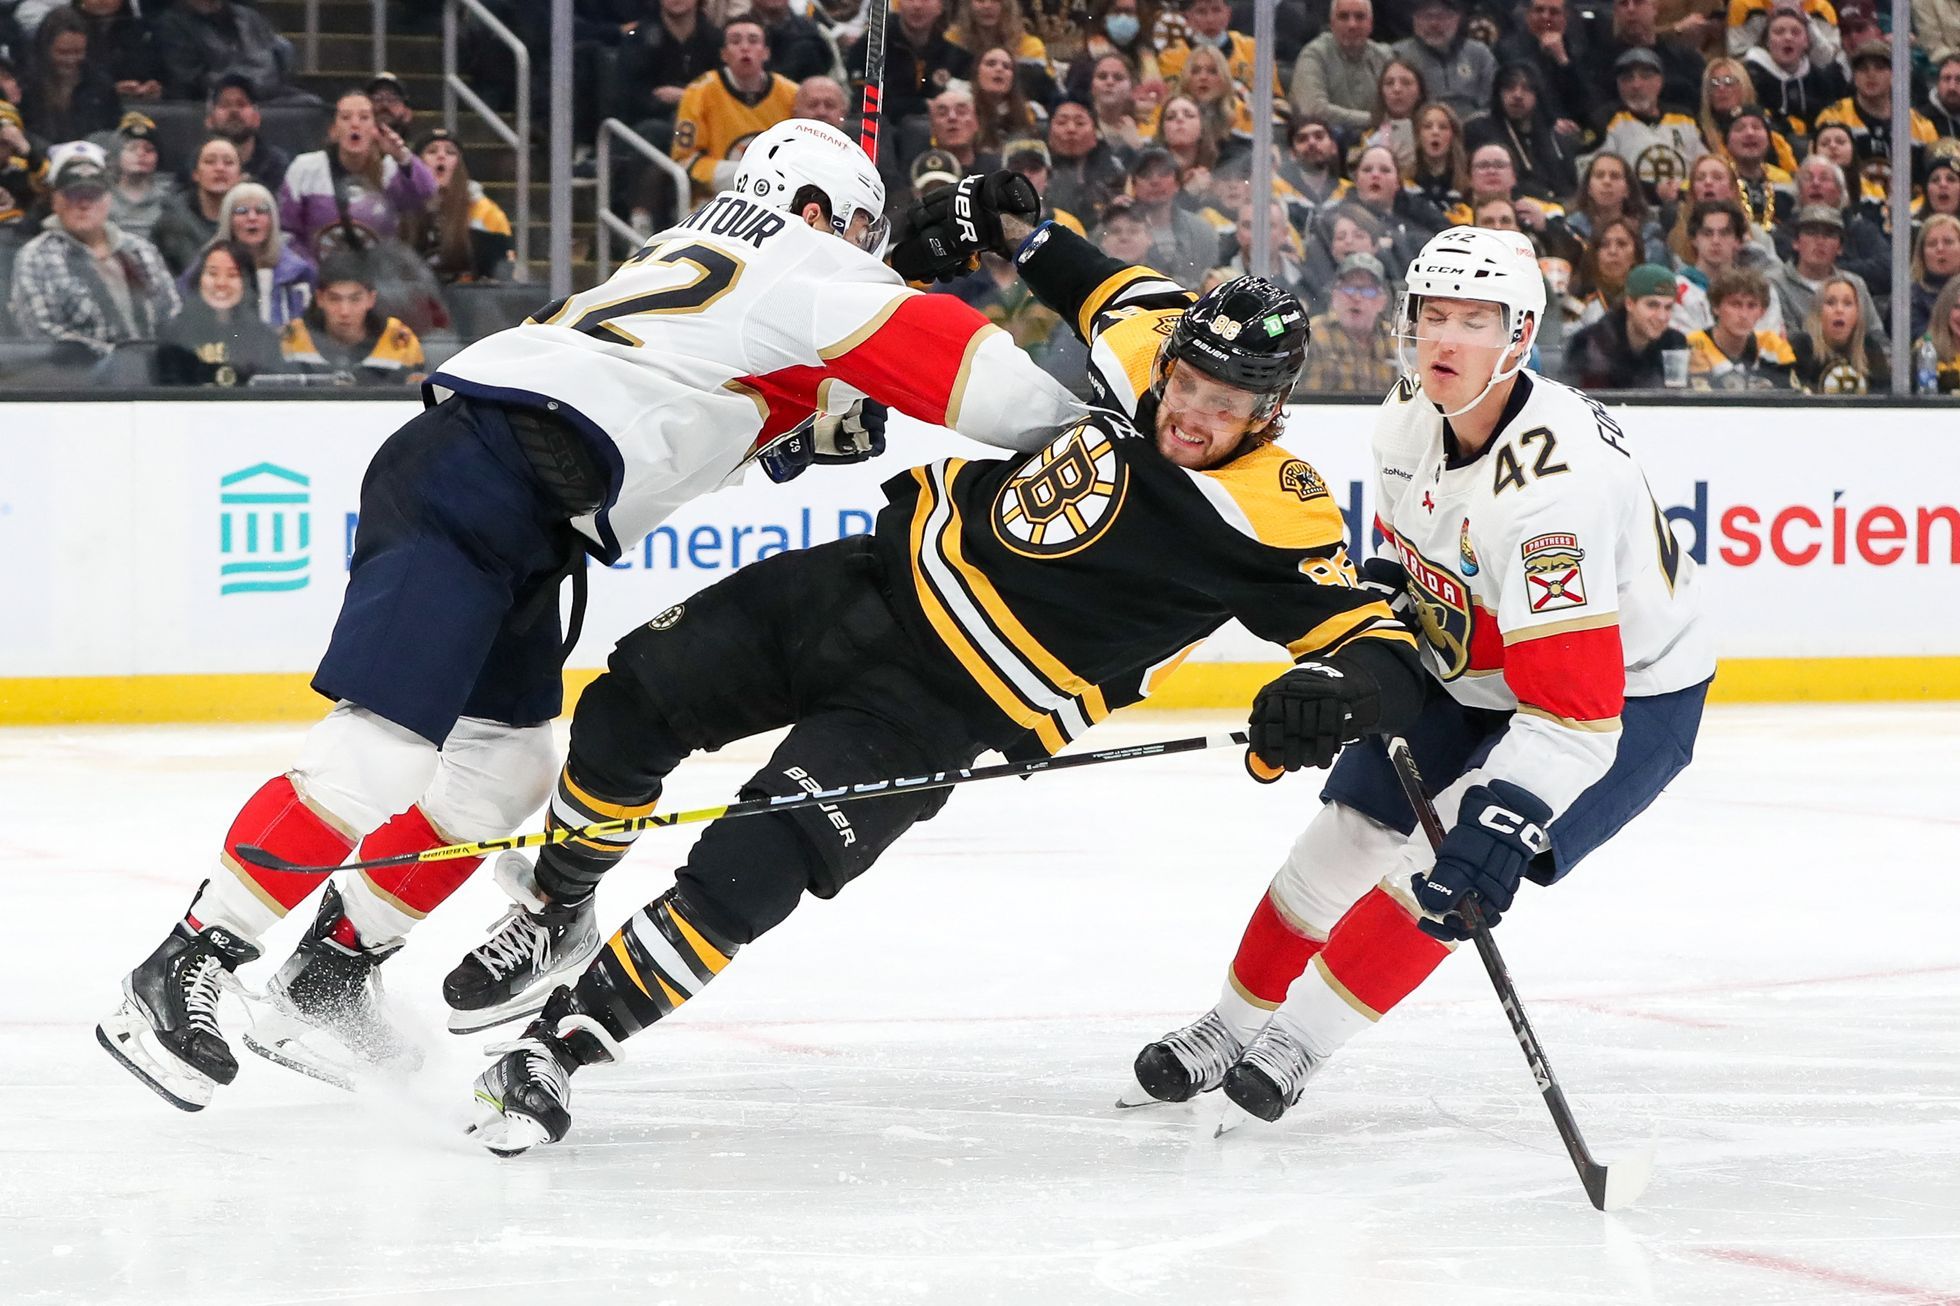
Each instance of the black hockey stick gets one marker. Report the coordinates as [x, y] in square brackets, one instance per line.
[1610, 1187]
[258, 856]
[871, 113]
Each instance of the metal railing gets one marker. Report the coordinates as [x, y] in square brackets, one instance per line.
[311, 45]
[454, 88]
[610, 224]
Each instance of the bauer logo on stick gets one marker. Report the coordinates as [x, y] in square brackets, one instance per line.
[1552, 574]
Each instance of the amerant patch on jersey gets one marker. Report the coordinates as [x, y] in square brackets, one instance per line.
[1552, 574]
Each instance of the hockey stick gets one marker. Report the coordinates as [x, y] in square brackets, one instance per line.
[871, 113]
[1610, 1187]
[258, 856]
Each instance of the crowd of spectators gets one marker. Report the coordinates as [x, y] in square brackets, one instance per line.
[1706, 181]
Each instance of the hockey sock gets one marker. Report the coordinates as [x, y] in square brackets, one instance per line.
[1373, 959]
[249, 899]
[569, 872]
[386, 902]
[662, 956]
[1271, 956]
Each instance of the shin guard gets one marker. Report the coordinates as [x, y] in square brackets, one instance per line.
[662, 956]
[1374, 958]
[1271, 955]
[249, 899]
[386, 902]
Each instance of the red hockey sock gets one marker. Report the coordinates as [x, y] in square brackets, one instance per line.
[1377, 956]
[1271, 955]
[418, 888]
[279, 821]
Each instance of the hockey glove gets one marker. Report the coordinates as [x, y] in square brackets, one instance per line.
[1304, 717]
[790, 456]
[851, 437]
[1499, 829]
[1388, 579]
[944, 230]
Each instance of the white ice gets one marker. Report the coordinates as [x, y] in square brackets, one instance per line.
[905, 1095]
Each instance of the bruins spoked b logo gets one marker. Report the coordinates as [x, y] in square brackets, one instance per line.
[1064, 497]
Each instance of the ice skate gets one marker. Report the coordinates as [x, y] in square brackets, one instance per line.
[166, 1031]
[524, 1098]
[324, 1015]
[536, 946]
[1183, 1063]
[1271, 1074]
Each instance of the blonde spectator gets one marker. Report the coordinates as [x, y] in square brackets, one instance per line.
[1725, 91]
[281, 278]
[1208, 82]
[1838, 351]
[1935, 260]
[1939, 345]
[981, 24]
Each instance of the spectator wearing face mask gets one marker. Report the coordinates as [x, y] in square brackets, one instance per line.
[1116, 27]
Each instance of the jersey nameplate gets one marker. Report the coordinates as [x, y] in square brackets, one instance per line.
[736, 218]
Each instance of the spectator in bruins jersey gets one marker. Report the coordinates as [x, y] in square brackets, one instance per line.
[1939, 344]
[1867, 112]
[1455, 67]
[463, 235]
[23, 166]
[1840, 350]
[1209, 22]
[1659, 142]
[1732, 353]
[722, 111]
[1767, 192]
[1207, 83]
[1521, 121]
[1792, 87]
[1749, 22]
[980, 25]
[1442, 171]
[217, 337]
[343, 334]
[1117, 27]
[1354, 340]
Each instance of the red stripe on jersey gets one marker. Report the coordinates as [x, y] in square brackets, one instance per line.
[791, 396]
[1486, 640]
[1271, 955]
[1580, 675]
[419, 886]
[914, 361]
[276, 820]
[1378, 954]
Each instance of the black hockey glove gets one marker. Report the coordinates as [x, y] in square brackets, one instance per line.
[852, 437]
[790, 456]
[1499, 828]
[946, 229]
[1388, 579]
[1304, 717]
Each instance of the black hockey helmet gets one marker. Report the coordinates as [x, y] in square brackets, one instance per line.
[1249, 333]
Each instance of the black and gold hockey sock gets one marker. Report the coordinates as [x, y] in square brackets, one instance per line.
[567, 873]
[662, 956]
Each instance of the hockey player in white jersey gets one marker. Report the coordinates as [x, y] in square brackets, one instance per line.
[572, 434]
[1560, 625]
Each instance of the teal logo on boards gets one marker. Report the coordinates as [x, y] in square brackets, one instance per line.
[265, 530]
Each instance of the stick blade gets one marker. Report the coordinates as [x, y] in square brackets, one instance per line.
[259, 857]
[1621, 1184]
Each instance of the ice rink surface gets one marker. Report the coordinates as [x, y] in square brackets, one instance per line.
[905, 1095]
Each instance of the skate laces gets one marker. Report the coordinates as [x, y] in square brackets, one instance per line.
[1283, 1059]
[518, 941]
[201, 980]
[1207, 1047]
[540, 1064]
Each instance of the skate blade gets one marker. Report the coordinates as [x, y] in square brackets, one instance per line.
[504, 1133]
[295, 1056]
[475, 1022]
[1219, 1115]
[1137, 1095]
[186, 1090]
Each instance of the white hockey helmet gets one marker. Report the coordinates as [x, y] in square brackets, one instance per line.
[1498, 267]
[801, 152]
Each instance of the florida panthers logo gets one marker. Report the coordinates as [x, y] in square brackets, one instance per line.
[1061, 499]
[1441, 606]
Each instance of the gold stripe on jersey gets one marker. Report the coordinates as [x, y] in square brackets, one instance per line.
[1373, 620]
[1011, 704]
[1133, 342]
[957, 395]
[1283, 510]
[1598, 622]
[831, 353]
[1598, 726]
[1135, 286]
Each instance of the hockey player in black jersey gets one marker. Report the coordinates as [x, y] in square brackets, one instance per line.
[997, 604]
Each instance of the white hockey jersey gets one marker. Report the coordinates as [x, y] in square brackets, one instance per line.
[1543, 575]
[727, 331]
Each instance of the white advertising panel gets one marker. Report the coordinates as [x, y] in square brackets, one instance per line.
[153, 538]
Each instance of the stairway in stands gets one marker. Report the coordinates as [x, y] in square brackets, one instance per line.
[346, 53]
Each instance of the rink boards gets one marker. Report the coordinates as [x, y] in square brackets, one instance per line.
[184, 561]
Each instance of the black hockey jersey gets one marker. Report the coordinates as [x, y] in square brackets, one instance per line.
[1069, 584]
